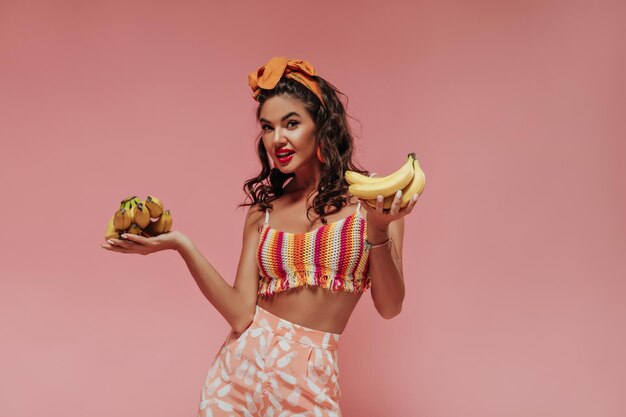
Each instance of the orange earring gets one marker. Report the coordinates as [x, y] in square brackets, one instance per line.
[319, 154]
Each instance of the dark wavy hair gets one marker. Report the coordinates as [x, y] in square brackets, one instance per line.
[332, 132]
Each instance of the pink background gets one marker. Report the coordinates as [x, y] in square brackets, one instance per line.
[515, 292]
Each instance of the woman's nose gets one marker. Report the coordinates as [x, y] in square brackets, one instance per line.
[278, 136]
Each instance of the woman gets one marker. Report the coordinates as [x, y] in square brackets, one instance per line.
[300, 274]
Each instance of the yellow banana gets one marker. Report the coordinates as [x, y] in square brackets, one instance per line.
[125, 203]
[155, 206]
[140, 215]
[162, 225]
[122, 219]
[388, 185]
[111, 232]
[134, 229]
[415, 186]
[353, 177]
[168, 221]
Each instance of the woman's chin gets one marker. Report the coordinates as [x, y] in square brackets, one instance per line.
[287, 168]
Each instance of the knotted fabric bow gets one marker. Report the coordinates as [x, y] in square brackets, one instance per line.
[269, 74]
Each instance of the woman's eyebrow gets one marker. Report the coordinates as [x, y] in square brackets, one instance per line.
[293, 113]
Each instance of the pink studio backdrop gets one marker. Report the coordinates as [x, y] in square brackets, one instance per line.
[515, 291]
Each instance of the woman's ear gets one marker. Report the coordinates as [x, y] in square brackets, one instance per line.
[319, 154]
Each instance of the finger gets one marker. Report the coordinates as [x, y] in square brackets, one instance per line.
[413, 201]
[115, 242]
[121, 244]
[118, 244]
[135, 238]
[395, 205]
[380, 204]
[113, 248]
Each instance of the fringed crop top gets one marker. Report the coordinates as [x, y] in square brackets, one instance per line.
[333, 256]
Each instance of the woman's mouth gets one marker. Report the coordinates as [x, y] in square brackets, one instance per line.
[285, 157]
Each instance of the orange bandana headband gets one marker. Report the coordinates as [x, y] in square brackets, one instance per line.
[269, 74]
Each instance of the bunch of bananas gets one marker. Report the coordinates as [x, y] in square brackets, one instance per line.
[409, 178]
[148, 218]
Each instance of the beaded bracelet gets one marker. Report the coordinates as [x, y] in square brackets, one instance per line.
[369, 246]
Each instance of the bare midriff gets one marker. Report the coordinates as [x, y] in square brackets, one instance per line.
[313, 307]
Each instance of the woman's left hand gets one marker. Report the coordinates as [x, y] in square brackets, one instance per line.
[145, 245]
[379, 219]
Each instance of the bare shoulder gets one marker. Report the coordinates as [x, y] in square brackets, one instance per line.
[254, 218]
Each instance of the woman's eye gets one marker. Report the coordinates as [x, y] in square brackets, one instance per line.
[294, 121]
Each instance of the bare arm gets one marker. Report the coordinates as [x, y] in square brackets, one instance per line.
[236, 303]
[386, 269]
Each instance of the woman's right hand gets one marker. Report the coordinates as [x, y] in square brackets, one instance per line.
[145, 245]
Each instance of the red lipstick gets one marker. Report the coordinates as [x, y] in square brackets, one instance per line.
[284, 155]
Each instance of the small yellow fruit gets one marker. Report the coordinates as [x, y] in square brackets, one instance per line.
[122, 219]
[134, 229]
[111, 232]
[140, 215]
[155, 206]
[162, 225]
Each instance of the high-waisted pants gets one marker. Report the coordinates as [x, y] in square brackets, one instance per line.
[274, 368]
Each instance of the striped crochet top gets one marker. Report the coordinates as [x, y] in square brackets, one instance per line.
[333, 256]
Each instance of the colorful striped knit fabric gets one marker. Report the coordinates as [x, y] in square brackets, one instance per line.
[333, 257]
